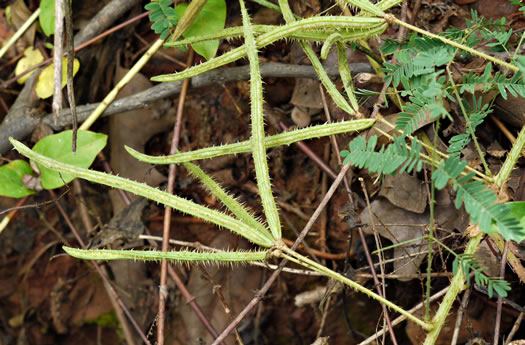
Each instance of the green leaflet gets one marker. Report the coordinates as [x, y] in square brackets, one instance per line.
[478, 200]
[11, 175]
[211, 18]
[58, 146]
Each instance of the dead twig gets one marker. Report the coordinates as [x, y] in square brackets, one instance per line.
[276, 273]
[120, 306]
[163, 288]
[459, 319]
[372, 269]
[70, 61]
[57, 57]
[25, 123]
[500, 299]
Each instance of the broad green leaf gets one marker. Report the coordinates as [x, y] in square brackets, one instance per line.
[47, 16]
[44, 85]
[514, 210]
[11, 175]
[58, 147]
[211, 19]
[31, 57]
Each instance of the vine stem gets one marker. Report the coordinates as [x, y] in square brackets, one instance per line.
[456, 286]
[257, 138]
[110, 97]
[458, 282]
[163, 287]
[20, 32]
[393, 20]
[511, 160]
[304, 261]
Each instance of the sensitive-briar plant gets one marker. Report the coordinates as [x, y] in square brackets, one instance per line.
[423, 70]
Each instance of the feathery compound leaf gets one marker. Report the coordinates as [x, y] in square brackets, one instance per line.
[468, 263]
[386, 161]
[515, 85]
[477, 113]
[478, 200]
[449, 169]
[516, 211]
[163, 17]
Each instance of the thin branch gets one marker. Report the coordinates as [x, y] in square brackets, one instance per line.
[500, 299]
[57, 57]
[25, 123]
[163, 288]
[257, 298]
[70, 61]
[111, 291]
[459, 319]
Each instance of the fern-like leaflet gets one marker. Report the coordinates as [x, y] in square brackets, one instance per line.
[425, 101]
[514, 85]
[385, 161]
[477, 113]
[162, 16]
[479, 201]
[468, 263]
[416, 71]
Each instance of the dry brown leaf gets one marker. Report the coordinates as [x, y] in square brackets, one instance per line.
[405, 191]
[19, 15]
[399, 225]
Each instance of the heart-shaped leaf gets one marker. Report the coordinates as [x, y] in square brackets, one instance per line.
[59, 147]
[211, 19]
[11, 175]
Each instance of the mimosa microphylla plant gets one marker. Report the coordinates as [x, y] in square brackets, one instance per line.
[424, 82]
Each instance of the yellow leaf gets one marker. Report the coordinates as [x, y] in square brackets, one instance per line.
[44, 86]
[31, 57]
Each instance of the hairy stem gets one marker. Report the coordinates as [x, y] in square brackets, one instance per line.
[179, 256]
[393, 20]
[456, 286]
[257, 141]
[286, 138]
[304, 261]
[173, 201]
